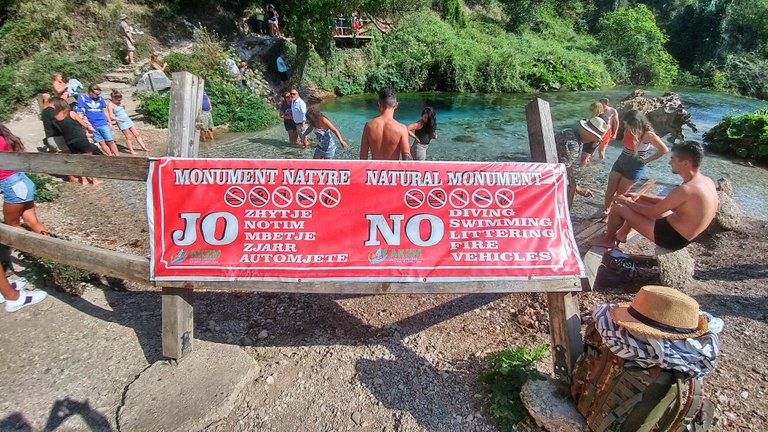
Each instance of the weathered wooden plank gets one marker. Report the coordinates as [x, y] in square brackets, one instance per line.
[564, 319]
[566, 341]
[592, 260]
[178, 324]
[185, 105]
[97, 260]
[121, 168]
[564, 285]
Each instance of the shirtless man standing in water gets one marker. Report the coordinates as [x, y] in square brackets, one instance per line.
[384, 137]
[675, 220]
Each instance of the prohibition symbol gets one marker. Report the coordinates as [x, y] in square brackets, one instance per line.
[306, 197]
[504, 197]
[414, 198]
[234, 196]
[459, 198]
[482, 197]
[282, 197]
[437, 198]
[330, 197]
[258, 196]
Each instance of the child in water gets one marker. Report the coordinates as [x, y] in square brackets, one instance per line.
[324, 131]
[123, 122]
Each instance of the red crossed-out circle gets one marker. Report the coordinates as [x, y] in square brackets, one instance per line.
[459, 198]
[306, 197]
[282, 197]
[234, 196]
[436, 198]
[504, 197]
[330, 197]
[259, 196]
[482, 197]
[414, 198]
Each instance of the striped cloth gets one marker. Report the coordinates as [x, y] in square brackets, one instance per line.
[694, 357]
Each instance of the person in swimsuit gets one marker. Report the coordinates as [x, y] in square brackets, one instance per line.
[385, 138]
[422, 132]
[591, 132]
[631, 164]
[611, 117]
[671, 222]
[324, 131]
[18, 189]
[71, 126]
[286, 114]
[119, 117]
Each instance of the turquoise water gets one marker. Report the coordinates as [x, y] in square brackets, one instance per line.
[492, 128]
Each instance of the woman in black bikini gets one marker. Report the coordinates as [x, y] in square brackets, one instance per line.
[423, 132]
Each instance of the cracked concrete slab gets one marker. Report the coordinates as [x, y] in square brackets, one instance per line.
[198, 391]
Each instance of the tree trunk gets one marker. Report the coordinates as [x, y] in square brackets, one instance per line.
[303, 48]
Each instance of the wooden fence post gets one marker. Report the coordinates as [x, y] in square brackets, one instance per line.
[186, 101]
[183, 141]
[564, 320]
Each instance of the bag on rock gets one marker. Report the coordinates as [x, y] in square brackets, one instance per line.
[614, 395]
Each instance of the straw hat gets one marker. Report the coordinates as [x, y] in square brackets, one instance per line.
[661, 312]
[596, 126]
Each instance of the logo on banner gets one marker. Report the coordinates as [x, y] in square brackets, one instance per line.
[377, 256]
[394, 255]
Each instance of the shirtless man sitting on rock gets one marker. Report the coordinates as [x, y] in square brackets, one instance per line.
[671, 222]
[384, 137]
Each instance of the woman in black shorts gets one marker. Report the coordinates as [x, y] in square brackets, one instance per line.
[287, 116]
[71, 126]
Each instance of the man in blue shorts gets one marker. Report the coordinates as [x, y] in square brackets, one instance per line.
[95, 108]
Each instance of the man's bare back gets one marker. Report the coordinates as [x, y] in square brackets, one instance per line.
[385, 138]
[698, 205]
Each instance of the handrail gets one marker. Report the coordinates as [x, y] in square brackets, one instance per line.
[119, 168]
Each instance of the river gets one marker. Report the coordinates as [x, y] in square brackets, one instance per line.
[477, 127]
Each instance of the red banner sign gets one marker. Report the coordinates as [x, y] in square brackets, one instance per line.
[308, 220]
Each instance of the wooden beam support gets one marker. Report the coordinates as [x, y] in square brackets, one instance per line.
[82, 256]
[564, 319]
[185, 105]
[120, 168]
[178, 322]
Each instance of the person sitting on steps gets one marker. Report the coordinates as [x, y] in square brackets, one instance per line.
[671, 222]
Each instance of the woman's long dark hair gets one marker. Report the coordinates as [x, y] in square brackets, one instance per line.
[431, 124]
[12, 139]
[637, 124]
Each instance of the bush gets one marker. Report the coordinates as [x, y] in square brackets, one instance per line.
[47, 187]
[253, 115]
[156, 108]
[747, 73]
[638, 43]
[62, 277]
[508, 371]
[745, 136]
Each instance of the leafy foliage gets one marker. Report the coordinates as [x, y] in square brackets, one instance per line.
[47, 188]
[745, 136]
[62, 277]
[253, 115]
[155, 107]
[508, 371]
[637, 44]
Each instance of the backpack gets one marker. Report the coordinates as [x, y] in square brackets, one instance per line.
[617, 268]
[617, 395]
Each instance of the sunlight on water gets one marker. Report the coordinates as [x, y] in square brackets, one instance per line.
[492, 128]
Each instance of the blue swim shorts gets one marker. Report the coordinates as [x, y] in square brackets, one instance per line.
[102, 133]
[629, 167]
[17, 189]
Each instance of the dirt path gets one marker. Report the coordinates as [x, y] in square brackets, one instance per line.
[372, 363]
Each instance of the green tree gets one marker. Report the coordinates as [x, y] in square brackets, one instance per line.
[634, 47]
[746, 26]
[695, 31]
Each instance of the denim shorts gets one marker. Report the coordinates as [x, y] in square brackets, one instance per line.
[629, 167]
[18, 189]
[102, 133]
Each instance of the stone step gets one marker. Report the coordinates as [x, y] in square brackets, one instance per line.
[118, 77]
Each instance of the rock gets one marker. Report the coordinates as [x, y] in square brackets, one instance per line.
[525, 321]
[263, 334]
[666, 113]
[728, 215]
[744, 394]
[270, 380]
[357, 417]
[551, 406]
[675, 267]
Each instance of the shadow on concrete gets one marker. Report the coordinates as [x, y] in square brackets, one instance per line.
[60, 411]
[734, 306]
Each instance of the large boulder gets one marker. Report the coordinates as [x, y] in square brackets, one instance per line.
[728, 215]
[550, 404]
[666, 113]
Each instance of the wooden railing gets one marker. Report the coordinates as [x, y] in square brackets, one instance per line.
[177, 308]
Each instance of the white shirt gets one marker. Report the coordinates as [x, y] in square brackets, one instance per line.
[299, 110]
